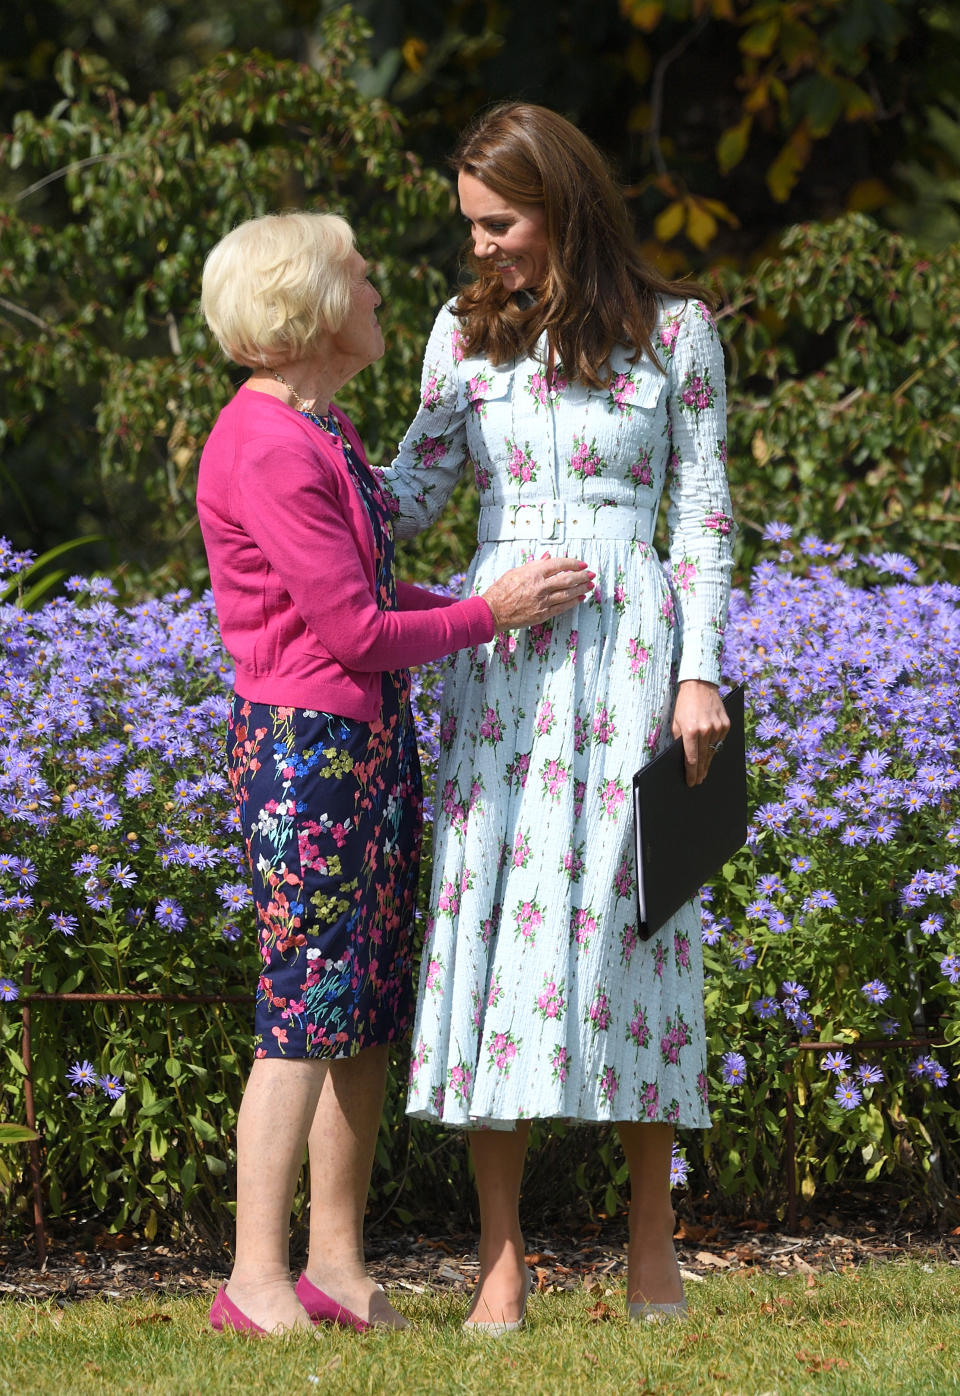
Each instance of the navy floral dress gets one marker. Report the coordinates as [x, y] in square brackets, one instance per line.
[331, 810]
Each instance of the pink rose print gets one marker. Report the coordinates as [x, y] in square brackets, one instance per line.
[673, 467]
[585, 461]
[621, 390]
[612, 795]
[449, 898]
[491, 726]
[456, 345]
[696, 392]
[681, 949]
[520, 464]
[623, 878]
[432, 390]
[620, 598]
[448, 730]
[703, 313]
[637, 1031]
[550, 1000]
[703, 1089]
[718, 523]
[541, 388]
[495, 994]
[554, 775]
[539, 638]
[639, 657]
[417, 1059]
[581, 734]
[650, 1097]
[604, 729]
[598, 1014]
[460, 1079]
[518, 770]
[477, 389]
[527, 920]
[579, 794]
[476, 999]
[676, 1037]
[572, 862]
[505, 648]
[429, 450]
[583, 924]
[521, 851]
[501, 1051]
[667, 610]
[545, 718]
[491, 925]
[629, 940]
[439, 1091]
[684, 574]
[668, 336]
[640, 472]
[722, 451]
[572, 645]
[434, 981]
[653, 738]
[482, 477]
[560, 1061]
[609, 1083]
[659, 960]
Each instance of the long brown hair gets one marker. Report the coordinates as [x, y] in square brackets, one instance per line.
[598, 291]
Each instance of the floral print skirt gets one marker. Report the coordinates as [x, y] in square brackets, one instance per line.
[331, 810]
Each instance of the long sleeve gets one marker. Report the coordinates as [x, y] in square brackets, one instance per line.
[307, 538]
[699, 517]
[433, 452]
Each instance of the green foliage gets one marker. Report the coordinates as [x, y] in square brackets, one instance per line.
[843, 350]
[111, 379]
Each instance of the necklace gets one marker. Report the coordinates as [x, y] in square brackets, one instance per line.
[327, 423]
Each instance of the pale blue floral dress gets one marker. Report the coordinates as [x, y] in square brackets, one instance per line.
[537, 998]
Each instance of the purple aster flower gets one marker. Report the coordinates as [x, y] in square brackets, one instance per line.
[711, 935]
[82, 1074]
[950, 968]
[874, 763]
[837, 1062]
[61, 921]
[778, 923]
[777, 532]
[890, 1026]
[27, 872]
[679, 1168]
[123, 875]
[883, 829]
[820, 900]
[931, 924]
[918, 1068]
[111, 1087]
[875, 991]
[847, 1095]
[234, 896]
[743, 956]
[766, 1007]
[757, 910]
[803, 1023]
[8, 991]
[769, 884]
[801, 864]
[793, 990]
[937, 1074]
[85, 865]
[734, 1068]
[869, 1074]
[138, 782]
[170, 914]
[230, 932]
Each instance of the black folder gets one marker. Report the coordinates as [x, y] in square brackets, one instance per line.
[684, 834]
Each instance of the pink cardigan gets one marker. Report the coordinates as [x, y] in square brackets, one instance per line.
[290, 549]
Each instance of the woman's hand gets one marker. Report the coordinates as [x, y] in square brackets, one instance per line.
[537, 591]
[700, 718]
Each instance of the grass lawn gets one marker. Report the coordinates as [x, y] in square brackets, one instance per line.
[883, 1329]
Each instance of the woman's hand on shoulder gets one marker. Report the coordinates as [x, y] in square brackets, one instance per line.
[700, 718]
[537, 591]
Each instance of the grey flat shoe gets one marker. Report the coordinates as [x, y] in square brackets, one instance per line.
[657, 1313]
[498, 1330]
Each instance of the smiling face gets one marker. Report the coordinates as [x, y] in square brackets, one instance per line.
[513, 236]
[360, 338]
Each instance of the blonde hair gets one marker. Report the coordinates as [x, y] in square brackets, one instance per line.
[275, 285]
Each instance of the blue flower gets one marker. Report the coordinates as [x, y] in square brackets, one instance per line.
[793, 990]
[875, 991]
[62, 922]
[8, 991]
[679, 1168]
[932, 924]
[869, 1074]
[111, 1087]
[170, 915]
[837, 1062]
[82, 1074]
[734, 1068]
[847, 1095]
[766, 1007]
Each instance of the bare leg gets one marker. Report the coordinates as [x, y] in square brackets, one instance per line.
[278, 1105]
[653, 1276]
[342, 1141]
[498, 1158]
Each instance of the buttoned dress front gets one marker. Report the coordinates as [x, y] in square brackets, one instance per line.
[537, 998]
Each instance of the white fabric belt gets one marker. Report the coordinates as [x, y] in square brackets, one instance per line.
[553, 520]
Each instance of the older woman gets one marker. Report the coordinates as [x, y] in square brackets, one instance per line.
[579, 384]
[321, 747]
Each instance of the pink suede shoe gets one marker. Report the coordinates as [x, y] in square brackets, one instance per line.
[225, 1314]
[323, 1309]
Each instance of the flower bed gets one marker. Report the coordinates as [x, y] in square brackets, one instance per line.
[121, 870]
